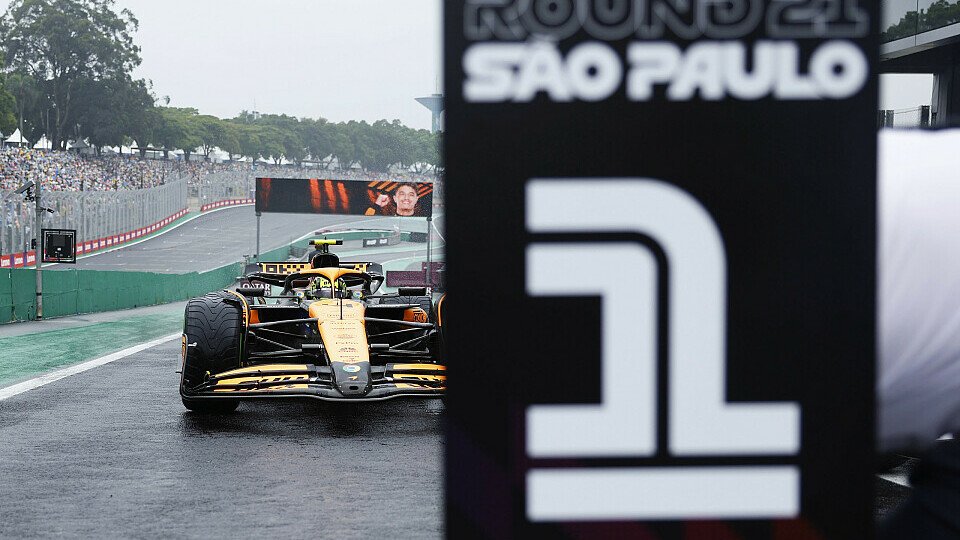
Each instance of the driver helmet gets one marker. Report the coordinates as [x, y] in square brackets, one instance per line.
[320, 287]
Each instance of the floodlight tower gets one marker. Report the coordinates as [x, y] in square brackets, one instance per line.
[433, 102]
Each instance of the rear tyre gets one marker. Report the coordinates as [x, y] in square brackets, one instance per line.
[425, 302]
[213, 328]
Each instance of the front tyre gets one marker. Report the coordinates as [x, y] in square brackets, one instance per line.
[213, 330]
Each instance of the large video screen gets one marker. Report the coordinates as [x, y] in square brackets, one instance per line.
[347, 197]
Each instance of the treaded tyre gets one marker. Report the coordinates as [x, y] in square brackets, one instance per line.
[215, 324]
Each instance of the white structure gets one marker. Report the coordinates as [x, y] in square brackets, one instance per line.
[16, 139]
[435, 104]
[43, 144]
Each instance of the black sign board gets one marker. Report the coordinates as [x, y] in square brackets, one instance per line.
[59, 246]
[667, 331]
[347, 197]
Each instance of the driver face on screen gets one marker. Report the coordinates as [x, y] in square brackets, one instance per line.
[406, 200]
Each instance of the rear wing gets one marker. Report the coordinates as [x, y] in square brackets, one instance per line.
[419, 278]
[287, 268]
[277, 271]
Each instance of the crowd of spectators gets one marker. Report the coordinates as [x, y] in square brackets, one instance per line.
[64, 171]
[212, 181]
[200, 169]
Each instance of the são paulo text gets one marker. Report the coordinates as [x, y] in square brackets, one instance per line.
[714, 70]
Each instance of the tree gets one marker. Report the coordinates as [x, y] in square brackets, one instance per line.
[27, 97]
[249, 138]
[8, 108]
[212, 133]
[178, 129]
[110, 111]
[144, 127]
[61, 42]
[426, 151]
[342, 146]
[271, 143]
[378, 145]
[231, 139]
[317, 135]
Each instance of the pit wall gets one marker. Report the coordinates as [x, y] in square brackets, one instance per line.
[21, 260]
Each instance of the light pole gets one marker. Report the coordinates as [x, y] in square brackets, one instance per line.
[26, 190]
[38, 251]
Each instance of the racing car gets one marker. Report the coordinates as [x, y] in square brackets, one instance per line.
[326, 335]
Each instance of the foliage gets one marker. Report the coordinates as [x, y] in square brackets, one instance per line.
[61, 43]
[940, 13]
[67, 74]
[109, 111]
[8, 109]
[27, 97]
[178, 128]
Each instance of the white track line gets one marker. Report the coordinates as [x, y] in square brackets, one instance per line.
[899, 479]
[42, 380]
[433, 224]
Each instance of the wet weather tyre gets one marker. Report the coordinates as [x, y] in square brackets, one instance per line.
[213, 327]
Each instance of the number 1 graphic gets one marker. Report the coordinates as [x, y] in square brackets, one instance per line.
[701, 422]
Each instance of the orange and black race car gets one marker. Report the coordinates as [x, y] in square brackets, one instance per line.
[326, 335]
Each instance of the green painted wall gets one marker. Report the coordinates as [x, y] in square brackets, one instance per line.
[70, 292]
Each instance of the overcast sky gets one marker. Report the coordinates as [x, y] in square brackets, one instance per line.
[905, 90]
[339, 59]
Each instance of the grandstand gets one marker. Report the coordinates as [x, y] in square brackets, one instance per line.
[113, 198]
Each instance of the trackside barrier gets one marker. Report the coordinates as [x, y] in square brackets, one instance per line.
[228, 202]
[351, 234]
[298, 249]
[282, 253]
[95, 215]
[71, 292]
[19, 260]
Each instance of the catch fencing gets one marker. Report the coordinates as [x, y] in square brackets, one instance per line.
[101, 218]
[220, 186]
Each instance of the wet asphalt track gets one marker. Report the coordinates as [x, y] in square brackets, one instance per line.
[112, 453]
[222, 237]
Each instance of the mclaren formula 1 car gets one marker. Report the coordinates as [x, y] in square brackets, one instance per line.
[325, 334]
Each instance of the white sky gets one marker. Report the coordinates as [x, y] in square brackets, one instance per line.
[904, 91]
[339, 59]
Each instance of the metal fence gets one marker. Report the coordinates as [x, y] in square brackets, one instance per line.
[913, 117]
[222, 185]
[240, 184]
[99, 214]
[93, 214]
